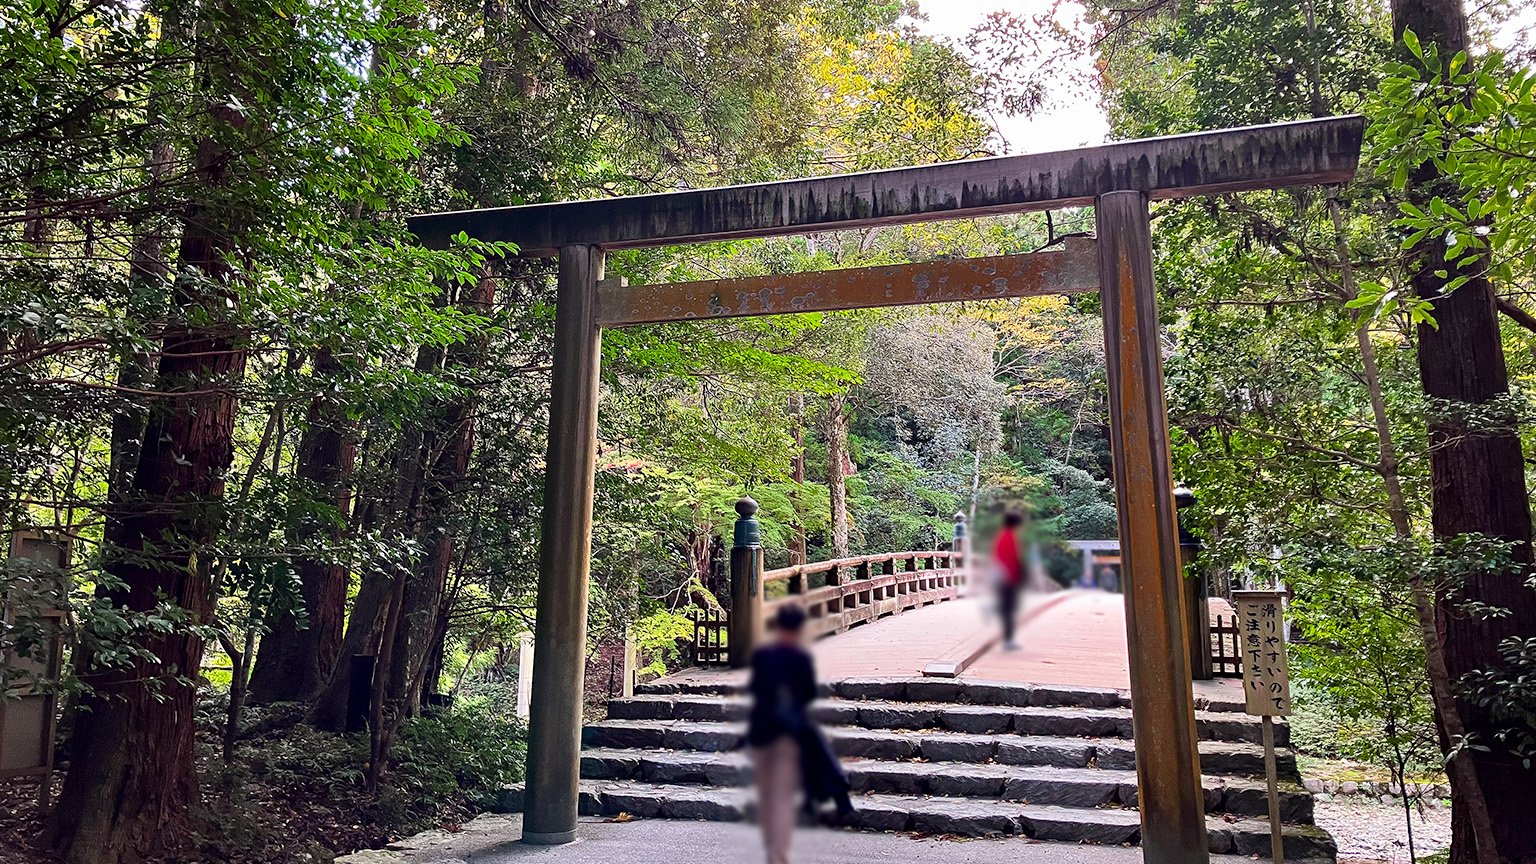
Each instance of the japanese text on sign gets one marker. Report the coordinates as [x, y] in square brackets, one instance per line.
[1266, 677]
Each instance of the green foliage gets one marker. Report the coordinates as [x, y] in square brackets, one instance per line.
[460, 754]
[1360, 664]
[1508, 694]
[1470, 119]
[656, 640]
[446, 762]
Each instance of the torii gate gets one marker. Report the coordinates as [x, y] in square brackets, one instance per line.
[1118, 180]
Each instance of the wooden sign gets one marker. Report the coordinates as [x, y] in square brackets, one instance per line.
[1261, 637]
[1267, 681]
[29, 704]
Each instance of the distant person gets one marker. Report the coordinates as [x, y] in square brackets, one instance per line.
[1008, 553]
[789, 751]
[1109, 580]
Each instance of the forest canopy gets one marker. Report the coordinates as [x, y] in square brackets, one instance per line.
[256, 429]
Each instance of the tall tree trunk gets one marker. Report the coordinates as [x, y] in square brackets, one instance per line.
[295, 659]
[1441, 685]
[797, 541]
[1479, 487]
[837, 487]
[362, 637]
[132, 776]
[445, 452]
[373, 609]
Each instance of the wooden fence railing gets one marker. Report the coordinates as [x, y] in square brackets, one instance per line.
[1226, 648]
[852, 590]
[867, 587]
[710, 629]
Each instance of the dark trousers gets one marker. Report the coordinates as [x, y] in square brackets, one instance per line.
[1008, 607]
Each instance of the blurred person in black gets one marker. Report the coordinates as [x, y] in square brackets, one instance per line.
[789, 751]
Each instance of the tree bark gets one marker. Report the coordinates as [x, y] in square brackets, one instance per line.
[373, 609]
[1441, 685]
[362, 636]
[1478, 478]
[797, 540]
[837, 487]
[296, 658]
[132, 775]
[446, 451]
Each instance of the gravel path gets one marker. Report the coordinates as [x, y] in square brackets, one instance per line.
[1374, 833]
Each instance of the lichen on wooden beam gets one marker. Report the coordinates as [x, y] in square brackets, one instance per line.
[1072, 269]
[1298, 153]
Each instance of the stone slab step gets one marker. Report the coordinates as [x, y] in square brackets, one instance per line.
[1068, 787]
[949, 816]
[1217, 758]
[977, 719]
[962, 690]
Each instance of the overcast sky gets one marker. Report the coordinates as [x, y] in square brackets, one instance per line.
[1074, 122]
[1061, 126]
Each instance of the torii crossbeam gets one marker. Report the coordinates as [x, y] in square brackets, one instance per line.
[1118, 180]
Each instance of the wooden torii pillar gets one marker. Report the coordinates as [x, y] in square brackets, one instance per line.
[1118, 180]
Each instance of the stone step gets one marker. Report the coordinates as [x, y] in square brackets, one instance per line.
[976, 719]
[950, 690]
[1217, 758]
[943, 816]
[1069, 787]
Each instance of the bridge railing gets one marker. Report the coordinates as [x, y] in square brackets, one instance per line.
[866, 587]
[854, 590]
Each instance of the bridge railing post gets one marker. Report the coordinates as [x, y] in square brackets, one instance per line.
[746, 585]
[958, 550]
[1197, 622]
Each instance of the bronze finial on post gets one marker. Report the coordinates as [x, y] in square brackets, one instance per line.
[746, 584]
[962, 540]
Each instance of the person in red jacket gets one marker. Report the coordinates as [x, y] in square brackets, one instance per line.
[1008, 553]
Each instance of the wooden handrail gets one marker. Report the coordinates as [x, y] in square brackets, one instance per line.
[855, 590]
[790, 572]
[874, 588]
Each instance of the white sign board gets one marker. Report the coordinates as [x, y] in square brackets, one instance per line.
[1261, 639]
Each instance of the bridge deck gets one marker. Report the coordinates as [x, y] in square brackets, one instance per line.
[1075, 638]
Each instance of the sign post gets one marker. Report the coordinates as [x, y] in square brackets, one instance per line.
[29, 677]
[1267, 683]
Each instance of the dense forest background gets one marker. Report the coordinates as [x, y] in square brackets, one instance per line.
[274, 432]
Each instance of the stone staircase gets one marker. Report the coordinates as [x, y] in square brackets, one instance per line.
[943, 756]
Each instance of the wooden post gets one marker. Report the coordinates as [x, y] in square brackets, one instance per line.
[1197, 623]
[565, 551]
[1271, 779]
[746, 585]
[631, 656]
[1266, 685]
[524, 674]
[1162, 701]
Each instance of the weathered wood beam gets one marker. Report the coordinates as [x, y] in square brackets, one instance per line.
[1258, 157]
[1071, 270]
[1162, 701]
[565, 556]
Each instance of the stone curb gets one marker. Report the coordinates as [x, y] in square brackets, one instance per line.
[1387, 793]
